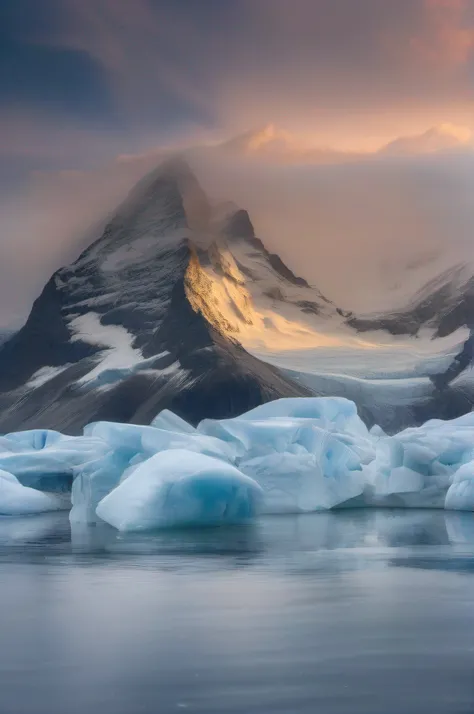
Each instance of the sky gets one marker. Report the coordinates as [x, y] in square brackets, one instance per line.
[83, 82]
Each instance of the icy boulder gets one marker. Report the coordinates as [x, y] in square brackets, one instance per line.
[416, 467]
[127, 446]
[460, 496]
[249, 439]
[18, 500]
[330, 413]
[306, 454]
[313, 470]
[171, 422]
[46, 460]
[181, 488]
[95, 480]
[149, 440]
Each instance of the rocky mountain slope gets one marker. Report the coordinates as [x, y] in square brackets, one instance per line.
[443, 305]
[156, 312]
[133, 326]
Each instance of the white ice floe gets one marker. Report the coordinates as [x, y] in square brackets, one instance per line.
[180, 488]
[299, 455]
[19, 500]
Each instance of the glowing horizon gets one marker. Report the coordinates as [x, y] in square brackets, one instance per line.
[94, 92]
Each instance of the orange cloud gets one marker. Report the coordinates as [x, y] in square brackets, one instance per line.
[447, 40]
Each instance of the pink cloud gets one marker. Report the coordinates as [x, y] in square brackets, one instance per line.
[447, 39]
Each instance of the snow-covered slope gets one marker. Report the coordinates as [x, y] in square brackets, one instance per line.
[249, 293]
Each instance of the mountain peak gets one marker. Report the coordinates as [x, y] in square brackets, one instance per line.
[458, 133]
[148, 318]
[170, 196]
[268, 138]
[441, 137]
[269, 134]
[274, 144]
[239, 225]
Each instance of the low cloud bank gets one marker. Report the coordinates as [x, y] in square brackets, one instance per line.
[366, 232]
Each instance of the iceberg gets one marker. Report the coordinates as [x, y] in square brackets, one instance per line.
[287, 456]
[168, 421]
[460, 496]
[149, 440]
[331, 413]
[126, 447]
[94, 481]
[18, 500]
[300, 466]
[418, 467]
[47, 460]
[308, 454]
[181, 488]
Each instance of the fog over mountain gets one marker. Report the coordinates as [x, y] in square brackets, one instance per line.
[444, 137]
[368, 228]
[175, 302]
[343, 126]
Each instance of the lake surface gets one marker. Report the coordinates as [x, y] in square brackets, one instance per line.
[357, 612]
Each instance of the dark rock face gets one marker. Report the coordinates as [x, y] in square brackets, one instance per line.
[114, 336]
[445, 304]
[240, 226]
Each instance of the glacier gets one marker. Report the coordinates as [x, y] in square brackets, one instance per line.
[294, 455]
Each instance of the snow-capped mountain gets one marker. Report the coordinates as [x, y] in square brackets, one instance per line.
[179, 305]
[134, 325]
[248, 293]
[273, 144]
[443, 137]
[442, 306]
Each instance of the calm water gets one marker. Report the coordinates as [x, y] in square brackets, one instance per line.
[354, 612]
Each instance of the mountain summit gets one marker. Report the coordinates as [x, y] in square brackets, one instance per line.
[133, 325]
[267, 138]
[273, 144]
[158, 312]
[443, 137]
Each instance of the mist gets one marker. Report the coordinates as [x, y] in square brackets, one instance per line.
[366, 233]
[86, 80]
[50, 221]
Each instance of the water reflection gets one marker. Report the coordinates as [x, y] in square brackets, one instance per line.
[360, 612]
[358, 529]
[34, 530]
